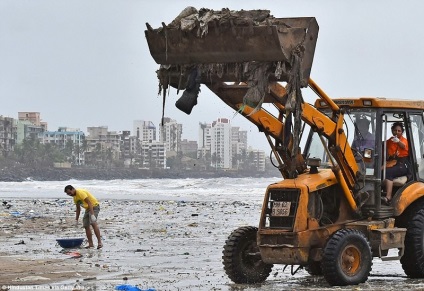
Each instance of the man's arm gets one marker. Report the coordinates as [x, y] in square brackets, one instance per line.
[77, 214]
[93, 218]
[90, 205]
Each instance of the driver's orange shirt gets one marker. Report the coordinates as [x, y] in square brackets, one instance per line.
[395, 149]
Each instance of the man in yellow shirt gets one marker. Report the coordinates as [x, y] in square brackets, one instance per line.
[92, 207]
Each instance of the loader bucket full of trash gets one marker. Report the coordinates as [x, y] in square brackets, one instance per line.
[206, 46]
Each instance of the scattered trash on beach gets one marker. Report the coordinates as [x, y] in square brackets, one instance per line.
[32, 278]
[153, 250]
[7, 205]
[74, 255]
[131, 288]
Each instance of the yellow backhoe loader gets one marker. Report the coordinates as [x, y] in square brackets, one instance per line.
[327, 213]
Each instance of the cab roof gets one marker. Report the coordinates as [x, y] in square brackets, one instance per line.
[372, 102]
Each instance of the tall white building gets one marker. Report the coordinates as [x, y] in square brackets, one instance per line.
[221, 135]
[170, 134]
[204, 135]
[204, 145]
[144, 130]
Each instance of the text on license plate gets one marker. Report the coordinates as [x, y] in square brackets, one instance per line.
[281, 208]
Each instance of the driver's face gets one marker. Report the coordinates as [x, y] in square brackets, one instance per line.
[397, 131]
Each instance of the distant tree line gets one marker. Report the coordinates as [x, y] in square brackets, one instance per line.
[33, 154]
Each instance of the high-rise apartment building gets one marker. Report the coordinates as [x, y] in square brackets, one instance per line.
[204, 144]
[221, 152]
[170, 134]
[238, 140]
[144, 130]
[238, 145]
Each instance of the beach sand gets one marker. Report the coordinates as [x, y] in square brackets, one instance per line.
[162, 245]
[159, 245]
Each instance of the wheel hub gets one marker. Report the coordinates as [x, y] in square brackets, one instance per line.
[350, 259]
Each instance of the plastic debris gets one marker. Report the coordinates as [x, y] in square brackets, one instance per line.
[131, 288]
[74, 255]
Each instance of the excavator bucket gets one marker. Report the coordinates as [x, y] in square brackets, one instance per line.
[222, 42]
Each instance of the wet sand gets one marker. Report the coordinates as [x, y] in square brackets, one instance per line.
[162, 245]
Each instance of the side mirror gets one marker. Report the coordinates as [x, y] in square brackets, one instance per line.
[367, 155]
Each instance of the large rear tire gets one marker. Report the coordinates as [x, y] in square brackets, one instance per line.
[347, 258]
[413, 258]
[241, 258]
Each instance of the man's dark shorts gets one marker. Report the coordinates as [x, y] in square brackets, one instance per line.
[86, 218]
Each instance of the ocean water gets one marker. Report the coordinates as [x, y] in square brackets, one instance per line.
[217, 189]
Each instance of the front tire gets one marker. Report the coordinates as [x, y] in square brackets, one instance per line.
[241, 258]
[413, 258]
[347, 258]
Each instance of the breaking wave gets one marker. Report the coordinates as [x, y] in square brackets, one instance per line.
[214, 189]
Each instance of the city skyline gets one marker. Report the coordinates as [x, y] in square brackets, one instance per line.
[87, 63]
[219, 145]
[132, 132]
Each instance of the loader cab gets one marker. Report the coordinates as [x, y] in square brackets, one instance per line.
[412, 120]
[415, 133]
[362, 132]
[367, 130]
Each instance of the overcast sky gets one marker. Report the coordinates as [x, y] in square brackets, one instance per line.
[87, 63]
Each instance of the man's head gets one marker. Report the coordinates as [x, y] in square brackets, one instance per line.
[363, 125]
[70, 190]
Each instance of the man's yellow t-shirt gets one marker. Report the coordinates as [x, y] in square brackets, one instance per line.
[81, 194]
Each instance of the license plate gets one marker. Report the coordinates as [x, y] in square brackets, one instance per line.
[281, 208]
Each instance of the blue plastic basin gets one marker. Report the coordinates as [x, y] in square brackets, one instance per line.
[67, 243]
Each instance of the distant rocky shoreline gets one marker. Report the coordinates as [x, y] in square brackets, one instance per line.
[20, 174]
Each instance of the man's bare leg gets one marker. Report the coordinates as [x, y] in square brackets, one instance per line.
[89, 236]
[97, 233]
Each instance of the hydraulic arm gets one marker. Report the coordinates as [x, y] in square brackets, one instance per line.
[243, 56]
[331, 128]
